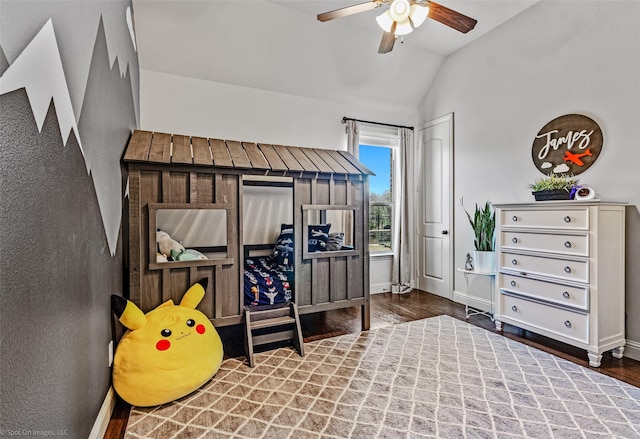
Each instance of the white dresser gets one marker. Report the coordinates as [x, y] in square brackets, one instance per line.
[561, 272]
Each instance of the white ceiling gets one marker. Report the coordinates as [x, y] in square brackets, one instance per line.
[280, 46]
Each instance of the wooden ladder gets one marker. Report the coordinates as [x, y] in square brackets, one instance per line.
[284, 322]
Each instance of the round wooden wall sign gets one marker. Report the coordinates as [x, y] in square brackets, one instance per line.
[568, 144]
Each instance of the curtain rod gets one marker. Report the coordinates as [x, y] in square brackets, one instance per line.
[345, 119]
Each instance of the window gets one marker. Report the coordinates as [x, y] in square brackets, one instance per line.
[379, 159]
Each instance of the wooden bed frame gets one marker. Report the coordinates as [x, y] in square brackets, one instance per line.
[182, 172]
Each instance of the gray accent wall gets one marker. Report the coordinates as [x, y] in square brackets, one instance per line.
[57, 265]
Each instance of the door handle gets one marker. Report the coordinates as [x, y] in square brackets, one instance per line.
[445, 232]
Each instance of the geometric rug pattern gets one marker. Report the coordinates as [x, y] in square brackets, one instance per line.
[432, 378]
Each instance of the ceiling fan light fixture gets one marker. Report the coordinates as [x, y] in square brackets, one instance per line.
[385, 21]
[399, 10]
[404, 27]
[418, 14]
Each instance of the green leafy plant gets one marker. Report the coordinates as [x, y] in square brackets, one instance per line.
[483, 224]
[554, 182]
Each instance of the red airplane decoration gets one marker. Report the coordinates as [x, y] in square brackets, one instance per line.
[575, 158]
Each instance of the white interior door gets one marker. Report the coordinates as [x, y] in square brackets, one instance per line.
[434, 195]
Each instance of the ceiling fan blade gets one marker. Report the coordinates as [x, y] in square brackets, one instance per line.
[388, 39]
[451, 18]
[349, 10]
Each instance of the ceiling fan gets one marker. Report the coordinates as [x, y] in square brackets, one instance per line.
[403, 16]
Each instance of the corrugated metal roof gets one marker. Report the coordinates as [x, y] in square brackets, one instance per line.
[162, 148]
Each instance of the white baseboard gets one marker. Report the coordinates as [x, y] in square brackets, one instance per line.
[474, 301]
[104, 415]
[379, 288]
[632, 350]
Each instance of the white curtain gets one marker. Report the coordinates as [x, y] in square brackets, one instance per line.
[353, 138]
[401, 280]
[353, 147]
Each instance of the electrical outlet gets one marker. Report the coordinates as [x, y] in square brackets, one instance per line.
[110, 353]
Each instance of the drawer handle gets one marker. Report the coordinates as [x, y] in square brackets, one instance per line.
[567, 219]
[566, 295]
[514, 240]
[567, 323]
[514, 261]
[567, 244]
[567, 269]
[513, 283]
[515, 219]
[514, 308]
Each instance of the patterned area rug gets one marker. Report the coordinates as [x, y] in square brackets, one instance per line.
[432, 378]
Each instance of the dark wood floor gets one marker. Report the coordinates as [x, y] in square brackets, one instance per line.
[388, 309]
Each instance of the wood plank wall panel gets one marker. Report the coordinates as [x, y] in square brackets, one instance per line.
[139, 145]
[227, 281]
[339, 278]
[346, 164]
[315, 158]
[301, 196]
[356, 163]
[179, 283]
[150, 281]
[160, 151]
[238, 156]
[179, 188]
[289, 160]
[340, 192]
[324, 155]
[321, 280]
[220, 154]
[205, 188]
[177, 149]
[275, 162]
[323, 194]
[135, 230]
[206, 306]
[181, 154]
[201, 151]
[302, 158]
[257, 159]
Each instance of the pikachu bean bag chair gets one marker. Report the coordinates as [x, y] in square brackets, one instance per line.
[167, 353]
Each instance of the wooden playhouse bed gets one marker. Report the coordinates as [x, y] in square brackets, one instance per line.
[180, 172]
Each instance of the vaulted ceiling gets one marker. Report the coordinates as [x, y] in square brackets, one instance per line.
[280, 46]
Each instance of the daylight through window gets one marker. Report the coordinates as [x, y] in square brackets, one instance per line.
[381, 222]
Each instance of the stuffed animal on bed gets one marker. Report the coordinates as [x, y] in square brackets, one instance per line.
[167, 353]
[166, 244]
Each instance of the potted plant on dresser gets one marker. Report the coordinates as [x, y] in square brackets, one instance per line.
[483, 223]
[553, 187]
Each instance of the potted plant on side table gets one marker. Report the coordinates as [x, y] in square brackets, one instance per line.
[483, 224]
[553, 187]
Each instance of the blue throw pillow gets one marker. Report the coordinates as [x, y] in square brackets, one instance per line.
[282, 254]
[318, 237]
[335, 242]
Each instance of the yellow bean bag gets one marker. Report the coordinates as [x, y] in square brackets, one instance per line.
[167, 353]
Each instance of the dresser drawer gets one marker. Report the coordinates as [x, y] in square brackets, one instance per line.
[574, 218]
[577, 271]
[577, 245]
[547, 318]
[566, 295]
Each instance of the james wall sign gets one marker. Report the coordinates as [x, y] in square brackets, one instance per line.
[568, 144]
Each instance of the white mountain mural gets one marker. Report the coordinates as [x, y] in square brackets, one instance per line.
[99, 131]
[39, 71]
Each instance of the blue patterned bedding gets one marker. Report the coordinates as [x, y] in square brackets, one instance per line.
[266, 283]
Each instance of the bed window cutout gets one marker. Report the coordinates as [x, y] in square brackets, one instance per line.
[185, 235]
[328, 231]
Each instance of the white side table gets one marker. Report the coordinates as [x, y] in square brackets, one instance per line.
[470, 311]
